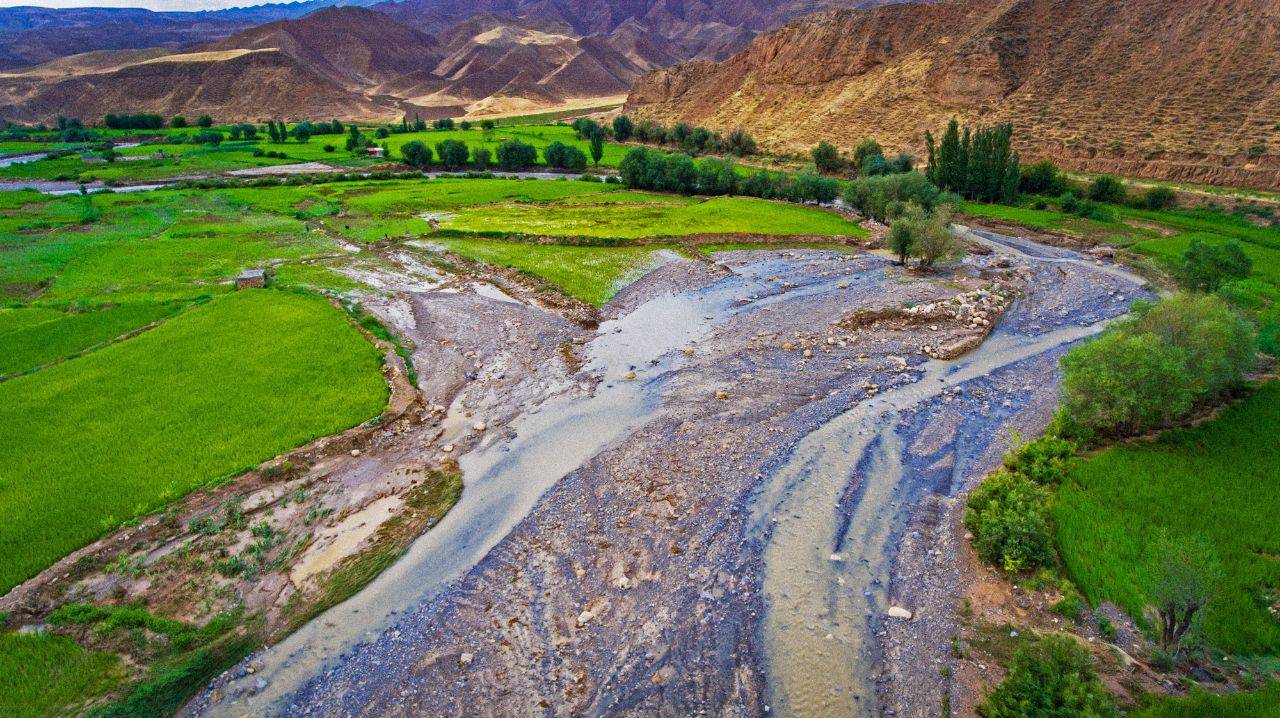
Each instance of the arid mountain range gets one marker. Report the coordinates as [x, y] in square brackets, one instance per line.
[1181, 89]
[427, 57]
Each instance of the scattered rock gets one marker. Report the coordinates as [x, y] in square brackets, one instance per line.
[898, 612]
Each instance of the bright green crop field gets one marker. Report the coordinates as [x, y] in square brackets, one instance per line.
[209, 393]
[650, 218]
[45, 675]
[1219, 480]
[36, 336]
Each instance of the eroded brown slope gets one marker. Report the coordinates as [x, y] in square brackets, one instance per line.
[1171, 88]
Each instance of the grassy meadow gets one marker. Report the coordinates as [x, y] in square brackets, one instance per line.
[120, 431]
[37, 336]
[44, 675]
[1219, 480]
[592, 274]
[650, 216]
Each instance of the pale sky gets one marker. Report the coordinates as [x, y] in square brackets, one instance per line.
[148, 4]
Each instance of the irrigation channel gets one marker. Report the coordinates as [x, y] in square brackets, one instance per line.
[715, 525]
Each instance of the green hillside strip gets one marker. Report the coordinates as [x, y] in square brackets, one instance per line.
[45, 675]
[720, 215]
[32, 337]
[1219, 480]
[214, 391]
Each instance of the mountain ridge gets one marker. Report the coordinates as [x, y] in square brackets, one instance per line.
[1163, 88]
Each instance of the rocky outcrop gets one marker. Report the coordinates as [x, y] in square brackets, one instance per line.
[1176, 89]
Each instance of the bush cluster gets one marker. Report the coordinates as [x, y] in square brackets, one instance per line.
[1051, 676]
[1155, 368]
[883, 197]
[643, 168]
[1008, 515]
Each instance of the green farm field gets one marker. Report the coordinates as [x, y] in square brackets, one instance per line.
[1218, 480]
[218, 389]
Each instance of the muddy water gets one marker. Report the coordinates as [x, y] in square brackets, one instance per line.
[823, 588]
[504, 478]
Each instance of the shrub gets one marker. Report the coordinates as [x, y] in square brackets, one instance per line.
[208, 137]
[1009, 517]
[416, 154]
[809, 187]
[1107, 189]
[452, 153]
[717, 177]
[481, 157]
[204, 121]
[740, 143]
[1206, 267]
[1052, 676]
[872, 195]
[1045, 460]
[1219, 345]
[826, 157]
[1154, 368]
[178, 122]
[1120, 384]
[1158, 198]
[562, 156]
[1041, 178]
[864, 151]
[516, 155]
[329, 148]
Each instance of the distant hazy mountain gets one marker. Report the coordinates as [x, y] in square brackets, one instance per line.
[428, 57]
[33, 35]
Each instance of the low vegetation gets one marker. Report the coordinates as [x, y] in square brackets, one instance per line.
[115, 434]
[1050, 676]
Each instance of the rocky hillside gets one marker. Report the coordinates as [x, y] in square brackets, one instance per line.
[1179, 89]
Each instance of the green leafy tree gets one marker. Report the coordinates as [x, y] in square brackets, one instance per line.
[464, 125]
[487, 126]
[1206, 267]
[1043, 178]
[1107, 189]
[566, 157]
[482, 157]
[178, 122]
[597, 146]
[1188, 574]
[516, 155]
[416, 154]
[452, 153]
[740, 143]
[623, 128]
[209, 137]
[1122, 384]
[717, 177]
[444, 123]
[901, 237]
[1050, 677]
[826, 157]
[204, 121]
[864, 151]
[1158, 198]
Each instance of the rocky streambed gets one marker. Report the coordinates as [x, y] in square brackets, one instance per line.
[730, 498]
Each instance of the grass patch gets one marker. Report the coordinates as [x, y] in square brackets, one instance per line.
[592, 274]
[46, 675]
[33, 337]
[123, 430]
[1218, 479]
[720, 215]
[1264, 703]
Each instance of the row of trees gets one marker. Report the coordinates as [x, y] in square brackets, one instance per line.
[978, 164]
[643, 168]
[868, 160]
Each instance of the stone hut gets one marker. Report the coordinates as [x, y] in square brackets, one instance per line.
[251, 278]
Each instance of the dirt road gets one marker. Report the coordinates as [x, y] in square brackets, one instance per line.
[715, 512]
